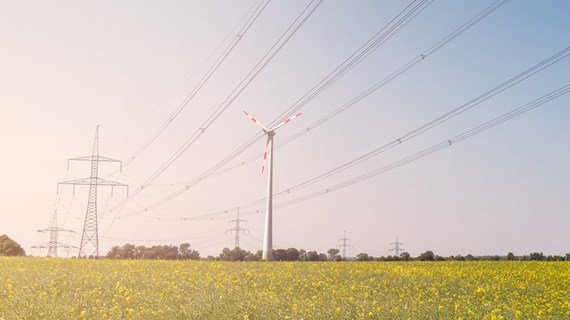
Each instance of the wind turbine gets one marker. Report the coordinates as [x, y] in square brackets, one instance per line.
[268, 235]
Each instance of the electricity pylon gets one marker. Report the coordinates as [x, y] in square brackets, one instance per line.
[396, 248]
[237, 229]
[90, 237]
[345, 244]
[53, 243]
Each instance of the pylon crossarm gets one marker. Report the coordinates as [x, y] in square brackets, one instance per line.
[57, 244]
[94, 158]
[55, 229]
[89, 181]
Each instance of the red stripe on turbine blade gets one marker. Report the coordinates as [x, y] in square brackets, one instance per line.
[265, 156]
[287, 120]
[250, 117]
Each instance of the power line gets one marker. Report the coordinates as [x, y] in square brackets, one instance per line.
[403, 18]
[420, 58]
[447, 143]
[202, 235]
[388, 79]
[285, 37]
[416, 156]
[269, 55]
[431, 124]
[209, 73]
[383, 82]
[441, 119]
[399, 21]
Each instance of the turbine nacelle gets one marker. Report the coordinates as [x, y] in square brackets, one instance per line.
[269, 133]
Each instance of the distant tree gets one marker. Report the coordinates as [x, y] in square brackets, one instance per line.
[280, 255]
[567, 257]
[127, 251]
[237, 254]
[258, 255]
[312, 256]
[139, 252]
[405, 256]
[362, 257]
[9, 247]
[427, 256]
[292, 254]
[302, 255]
[161, 252]
[439, 258]
[511, 256]
[225, 254]
[114, 253]
[249, 256]
[469, 257]
[185, 252]
[323, 257]
[151, 253]
[458, 258]
[535, 256]
[332, 253]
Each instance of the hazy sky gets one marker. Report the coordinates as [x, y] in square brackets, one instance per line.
[67, 66]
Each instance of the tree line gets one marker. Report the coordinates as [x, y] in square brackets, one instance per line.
[184, 251]
[293, 254]
[430, 256]
[160, 252]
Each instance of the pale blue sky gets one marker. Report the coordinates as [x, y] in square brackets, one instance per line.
[68, 66]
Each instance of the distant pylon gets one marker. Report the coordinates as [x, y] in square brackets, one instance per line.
[345, 244]
[53, 243]
[237, 229]
[396, 248]
[90, 237]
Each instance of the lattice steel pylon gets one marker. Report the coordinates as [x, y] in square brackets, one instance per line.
[397, 247]
[53, 243]
[237, 229]
[345, 244]
[90, 237]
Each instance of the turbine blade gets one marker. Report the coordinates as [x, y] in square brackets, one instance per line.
[265, 155]
[255, 121]
[286, 121]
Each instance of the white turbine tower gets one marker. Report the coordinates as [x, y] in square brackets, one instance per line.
[268, 235]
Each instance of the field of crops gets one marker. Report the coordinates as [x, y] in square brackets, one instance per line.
[33, 288]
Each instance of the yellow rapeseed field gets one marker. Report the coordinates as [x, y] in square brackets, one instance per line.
[37, 288]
